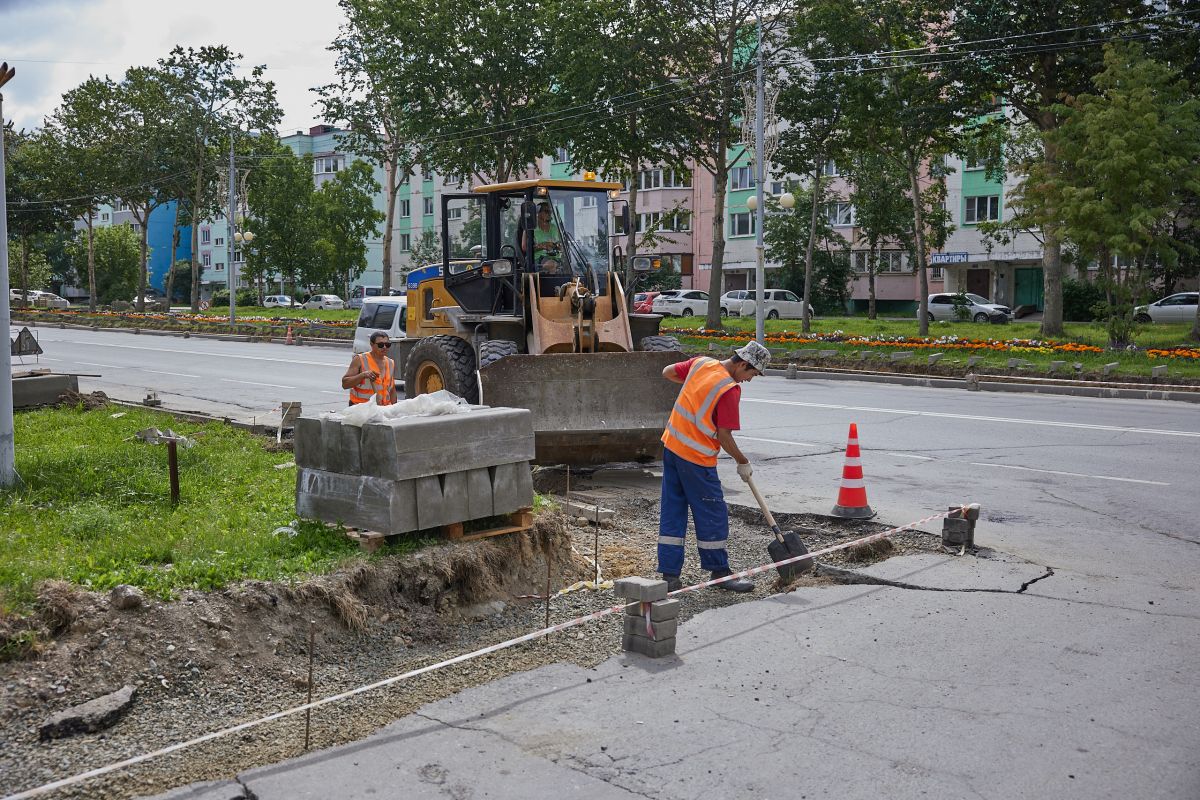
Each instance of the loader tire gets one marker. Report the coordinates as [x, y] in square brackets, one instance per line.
[493, 350]
[441, 362]
[660, 344]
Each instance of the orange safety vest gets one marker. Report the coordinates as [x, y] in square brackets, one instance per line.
[690, 432]
[382, 387]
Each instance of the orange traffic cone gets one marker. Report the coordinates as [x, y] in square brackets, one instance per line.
[290, 340]
[852, 497]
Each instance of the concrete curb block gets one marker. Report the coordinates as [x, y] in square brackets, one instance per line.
[998, 386]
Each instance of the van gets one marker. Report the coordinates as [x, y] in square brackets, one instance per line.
[386, 314]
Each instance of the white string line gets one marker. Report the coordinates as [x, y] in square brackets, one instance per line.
[129, 762]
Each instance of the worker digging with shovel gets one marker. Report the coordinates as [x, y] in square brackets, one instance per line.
[700, 426]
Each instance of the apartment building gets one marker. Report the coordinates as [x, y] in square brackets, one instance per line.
[158, 240]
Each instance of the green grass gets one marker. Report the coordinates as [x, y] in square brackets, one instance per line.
[1132, 363]
[291, 313]
[95, 509]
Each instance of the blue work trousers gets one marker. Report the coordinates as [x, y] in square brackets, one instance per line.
[686, 485]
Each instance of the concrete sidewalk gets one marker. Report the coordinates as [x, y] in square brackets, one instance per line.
[1061, 690]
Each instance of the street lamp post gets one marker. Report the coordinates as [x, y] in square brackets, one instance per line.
[234, 235]
[760, 270]
[8, 456]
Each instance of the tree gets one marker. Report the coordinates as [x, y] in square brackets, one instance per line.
[112, 254]
[211, 103]
[882, 211]
[371, 101]
[31, 211]
[426, 249]
[282, 219]
[813, 263]
[1127, 158]
[1050, 55]
[345, 215]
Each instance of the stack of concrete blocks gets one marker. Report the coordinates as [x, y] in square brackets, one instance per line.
[415, 473]
[958, 528]
[651, 620]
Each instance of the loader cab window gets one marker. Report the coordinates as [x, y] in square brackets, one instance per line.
[577, 223]
[466, 226]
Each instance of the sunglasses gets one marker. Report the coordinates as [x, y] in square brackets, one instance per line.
[383, 344]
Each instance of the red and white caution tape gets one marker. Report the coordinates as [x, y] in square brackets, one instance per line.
[495, 648]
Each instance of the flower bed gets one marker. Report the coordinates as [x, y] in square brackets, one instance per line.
[1175, 352]
[901, 342]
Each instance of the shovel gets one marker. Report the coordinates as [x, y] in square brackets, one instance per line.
[786, 545]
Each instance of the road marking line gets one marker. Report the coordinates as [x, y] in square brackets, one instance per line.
[343, 392]
[160, 372]
[201, 353]
[779, 441]
[259, 383]
[910, 455]
[1070, 474]
[946, 415]
[94, 364]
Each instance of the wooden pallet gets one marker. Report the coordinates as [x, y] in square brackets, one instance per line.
[517, 521]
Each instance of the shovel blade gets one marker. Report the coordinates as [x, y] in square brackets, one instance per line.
[790, 547]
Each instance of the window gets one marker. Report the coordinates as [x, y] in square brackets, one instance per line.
[886, 261]
[840, 214]
[790, 298]
[587, 201]
[326, 165]
[428, 206]
[561, 156]
[830, 170]
[648, 220]
[778, 188]
[406, 208]
[104, 217]
[220, 242]
[205, 236]
[220, 265]
[982, 209]
[385, 315]
[935, 274]
[741, 178]
[206, 259]
[237, 257]
[405, 242]
[454, 213]
[972, 163]
[619, 225]
[677, 179]
[741, 224]
[681, 222]
[650, 179]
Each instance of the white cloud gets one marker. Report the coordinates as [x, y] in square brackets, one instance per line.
[56, 44]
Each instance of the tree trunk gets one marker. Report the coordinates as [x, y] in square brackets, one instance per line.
[872, 266]
[712, 320]
[393, 188]
[1052, 313]
[806, 320]
[631, 234]
[91, 262]
[24, 277]
[914, 182]
[196, 200]
[143, 267]
[169, 283]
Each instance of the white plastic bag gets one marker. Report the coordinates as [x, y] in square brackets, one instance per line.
[425, 405]
[360, 414]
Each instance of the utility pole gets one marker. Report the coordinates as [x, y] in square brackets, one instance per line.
[8, 455]
[231, 270]
[760, 271]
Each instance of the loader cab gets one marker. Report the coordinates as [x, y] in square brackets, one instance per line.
[497, 235]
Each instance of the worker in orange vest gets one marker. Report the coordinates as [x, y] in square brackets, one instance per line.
[372, 373]
[700, 426]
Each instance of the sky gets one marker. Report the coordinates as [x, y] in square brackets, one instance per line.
[56, 44]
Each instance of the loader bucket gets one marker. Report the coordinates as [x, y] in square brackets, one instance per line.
[588, 408]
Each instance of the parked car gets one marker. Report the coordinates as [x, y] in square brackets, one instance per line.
[780, 304]
[1179, 307]
[387, 314]
[681, 302]
[978, 309]
[36, 297]
[643, 302]
[731, 302]
[325, 302]
[278, 301]
[359, 293]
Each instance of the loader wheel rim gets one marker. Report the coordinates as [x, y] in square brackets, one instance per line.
[429, 378]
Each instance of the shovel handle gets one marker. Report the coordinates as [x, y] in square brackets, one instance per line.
[762, 504]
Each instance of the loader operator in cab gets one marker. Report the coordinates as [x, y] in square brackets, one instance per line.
[700, 426]
[372, 374]
[546, 241]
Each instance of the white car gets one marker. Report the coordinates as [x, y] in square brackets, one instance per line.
[39, 299]
[681, 303]
[731, 302]
[780, 304]
[325, 302]
[278, 301]
[387, 314]
[978, 309]
[1180, 307]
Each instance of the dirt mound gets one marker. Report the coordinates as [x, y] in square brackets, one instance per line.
[88, 402]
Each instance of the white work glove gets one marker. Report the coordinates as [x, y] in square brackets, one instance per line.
[745, 471]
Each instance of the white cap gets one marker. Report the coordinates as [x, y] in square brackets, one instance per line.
[755, 355]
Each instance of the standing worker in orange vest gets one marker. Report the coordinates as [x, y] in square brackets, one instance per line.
[372, 373]
[700, 426]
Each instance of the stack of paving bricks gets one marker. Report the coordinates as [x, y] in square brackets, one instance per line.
[415, 473]
[651, 620]
[958, 528]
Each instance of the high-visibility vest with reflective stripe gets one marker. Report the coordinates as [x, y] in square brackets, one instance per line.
[381, 387]
[690, 432]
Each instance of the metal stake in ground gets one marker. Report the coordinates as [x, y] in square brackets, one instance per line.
[786, 545]
[173, 469]
[312, 637]
[548, 557]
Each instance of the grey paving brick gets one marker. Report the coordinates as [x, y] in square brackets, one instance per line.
[356, 501]
[642, 645]
[479, 493]
[662, 630]
[442, 499]
[642, 589]
[660, 610]
[512, 487]
[420, 446]
[328, 445]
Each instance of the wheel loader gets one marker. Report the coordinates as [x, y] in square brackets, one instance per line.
[527, 310]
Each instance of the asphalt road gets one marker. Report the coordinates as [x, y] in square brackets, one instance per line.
[1079, 684]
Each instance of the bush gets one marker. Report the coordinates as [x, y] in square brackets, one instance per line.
[246, 297]
[1080, 299]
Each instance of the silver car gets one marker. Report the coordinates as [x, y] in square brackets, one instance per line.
[979, 309]
[1179, 307]
[681, 303]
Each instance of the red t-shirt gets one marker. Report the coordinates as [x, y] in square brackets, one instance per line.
[725, 412]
